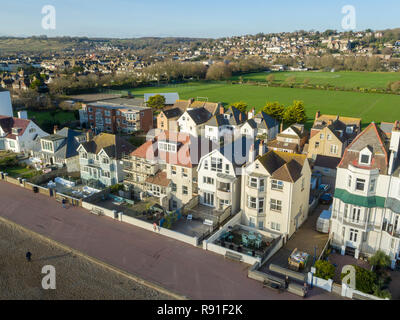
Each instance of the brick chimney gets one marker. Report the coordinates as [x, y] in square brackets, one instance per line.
[317, 115]
[330, 122]
[89, 135]
[55, 129]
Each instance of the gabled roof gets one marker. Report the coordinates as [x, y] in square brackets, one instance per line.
[190, 149]
[199, 115]
[264, 121]
[282, 165]
[8, 123]
[172, 113]
[237, 152]
[232, 117]
[68, 148]
[113, 145]
[373, 138]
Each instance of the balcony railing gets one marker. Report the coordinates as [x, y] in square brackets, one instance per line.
[355, 223]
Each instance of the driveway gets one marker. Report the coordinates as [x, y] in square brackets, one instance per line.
[305, 239]
[176, 266]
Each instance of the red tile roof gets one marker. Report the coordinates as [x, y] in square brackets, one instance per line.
[8, 123]
[190, 149]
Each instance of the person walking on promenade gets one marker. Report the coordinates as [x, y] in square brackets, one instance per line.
[305, 289]
[286, 282]
[28, 256]
[64, 203]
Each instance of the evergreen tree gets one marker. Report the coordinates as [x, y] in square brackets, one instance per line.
[295, 113]
[275, 110]
[241, 106]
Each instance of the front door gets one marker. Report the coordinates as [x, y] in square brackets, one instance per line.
[209, 199]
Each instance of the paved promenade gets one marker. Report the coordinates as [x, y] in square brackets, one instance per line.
[184, 269]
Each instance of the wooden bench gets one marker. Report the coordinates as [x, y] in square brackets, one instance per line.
[97, 211]
[233, 256]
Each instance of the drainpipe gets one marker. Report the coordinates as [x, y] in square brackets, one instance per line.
[290, 210]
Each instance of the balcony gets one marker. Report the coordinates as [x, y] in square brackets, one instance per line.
[356, 224]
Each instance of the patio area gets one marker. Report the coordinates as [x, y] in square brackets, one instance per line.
[243, 241]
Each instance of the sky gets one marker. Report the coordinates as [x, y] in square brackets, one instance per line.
[189, 18]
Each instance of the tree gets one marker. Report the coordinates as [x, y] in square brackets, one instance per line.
[324, 269]
[291, 80]
[241, 106]
[275, 110]
[156, 102]
[270, 78]
[365, 279]
[218, 71]
[380, 260]
[295, 113]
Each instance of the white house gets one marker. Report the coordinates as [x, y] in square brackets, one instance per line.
[225, 125]
[366, 206]
[193, 121]
[219, 173]
[100, 160]
[275, 192]
[261, 126]
[18, 135]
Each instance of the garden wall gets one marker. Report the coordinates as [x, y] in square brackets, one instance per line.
[163, 231]
[222, 251]
[320, 283]
[98, 210]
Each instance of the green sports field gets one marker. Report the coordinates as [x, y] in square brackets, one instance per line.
[347, 79]
[370, 107]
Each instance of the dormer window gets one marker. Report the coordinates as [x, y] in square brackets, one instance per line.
[349, 130]
[365, 156]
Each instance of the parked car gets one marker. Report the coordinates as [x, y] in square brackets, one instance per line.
[324, 187]
[326, 198]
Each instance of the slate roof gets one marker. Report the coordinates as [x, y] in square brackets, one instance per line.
[327, 162]
[113, 145]
[373, 138]
[264, 121]
[68, 148]
[232, 117]
[237, 152]
[172, 113]
[282, 165]
[199, 115]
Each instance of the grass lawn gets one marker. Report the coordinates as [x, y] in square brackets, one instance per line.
[21, 172]
[42, 116]
[348, 79]
[370, 107]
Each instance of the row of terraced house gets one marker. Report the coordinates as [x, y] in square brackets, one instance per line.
[229, 162]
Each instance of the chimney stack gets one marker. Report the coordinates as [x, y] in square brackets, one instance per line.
[317, 115]
[261, 150]
[89, 135]
[55, 129]
[252, 153]
[330, 122]
[281, 126]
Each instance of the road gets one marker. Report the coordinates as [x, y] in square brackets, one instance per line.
[176, 266]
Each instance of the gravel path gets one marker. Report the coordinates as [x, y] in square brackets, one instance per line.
[76, 277]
